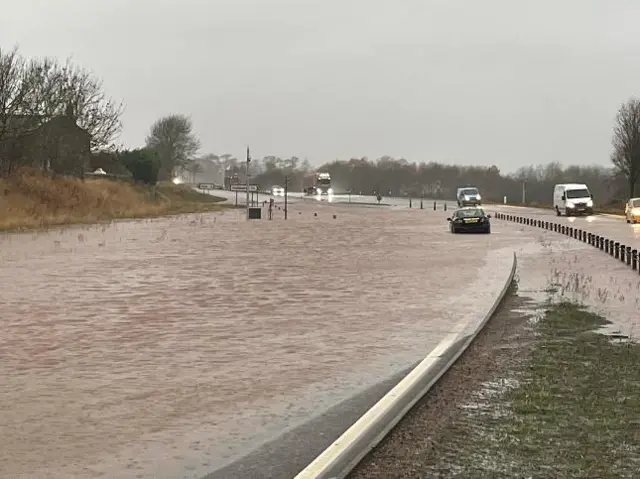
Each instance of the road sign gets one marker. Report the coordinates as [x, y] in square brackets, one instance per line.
[206, 186]
[244, 187]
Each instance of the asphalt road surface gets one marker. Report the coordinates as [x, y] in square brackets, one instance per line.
[612, 227]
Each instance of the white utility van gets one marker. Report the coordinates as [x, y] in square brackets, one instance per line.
[468, 196]
[572, 199]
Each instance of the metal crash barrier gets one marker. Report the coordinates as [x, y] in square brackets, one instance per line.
[621, 252]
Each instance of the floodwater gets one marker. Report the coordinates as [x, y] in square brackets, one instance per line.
[166, 347]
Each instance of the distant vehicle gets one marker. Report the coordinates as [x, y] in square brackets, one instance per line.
[468, 196]
[572, 199]
[317, 184]
[632, 210]
[470, 219]
[277, 190]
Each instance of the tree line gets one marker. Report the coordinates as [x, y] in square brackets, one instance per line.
[41, 89]
[388, 175]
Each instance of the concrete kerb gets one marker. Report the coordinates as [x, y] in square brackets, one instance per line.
[344, 454]
[619, 251]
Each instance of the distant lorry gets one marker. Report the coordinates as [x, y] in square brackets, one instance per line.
[317, 184]
[572, 199]
[468, 196]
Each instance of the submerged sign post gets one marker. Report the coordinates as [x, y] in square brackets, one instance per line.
[253, 188]
[248, 184]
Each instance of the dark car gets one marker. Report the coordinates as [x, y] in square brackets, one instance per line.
[470, 220]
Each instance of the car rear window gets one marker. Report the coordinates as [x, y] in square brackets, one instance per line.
[470, 213]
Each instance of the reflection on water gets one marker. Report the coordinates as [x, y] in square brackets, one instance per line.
[132, 347]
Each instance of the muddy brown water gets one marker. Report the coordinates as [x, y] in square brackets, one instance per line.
[165, 347]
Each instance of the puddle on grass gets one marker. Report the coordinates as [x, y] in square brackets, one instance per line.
[535, 303]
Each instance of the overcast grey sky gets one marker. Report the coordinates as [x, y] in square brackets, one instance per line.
[505, 82]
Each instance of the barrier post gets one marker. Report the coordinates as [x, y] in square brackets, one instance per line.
[628, 255]
[634, 259]
[286, 195]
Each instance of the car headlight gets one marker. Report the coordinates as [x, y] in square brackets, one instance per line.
[466, 198]
[589, 202]
[635, 211]
[330, 191]
[570, 204]
[478, 197]
[319, 191]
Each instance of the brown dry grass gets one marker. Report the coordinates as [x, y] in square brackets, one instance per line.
[32, 200]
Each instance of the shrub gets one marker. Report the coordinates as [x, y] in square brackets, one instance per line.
[143, 164]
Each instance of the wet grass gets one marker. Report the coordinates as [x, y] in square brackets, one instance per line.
[569, 408]
[32, 200]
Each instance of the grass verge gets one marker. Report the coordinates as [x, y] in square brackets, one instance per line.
[32, 200]
[570, 408]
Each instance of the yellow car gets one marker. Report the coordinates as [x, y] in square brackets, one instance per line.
[632, 210]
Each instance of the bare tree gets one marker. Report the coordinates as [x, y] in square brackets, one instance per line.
[32, 92]
[173, 138]
[13, 90]
[49, 89]
[626, 142]
[76, 87]
[13, 97]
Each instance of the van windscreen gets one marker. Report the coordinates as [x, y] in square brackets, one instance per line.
[581, 193]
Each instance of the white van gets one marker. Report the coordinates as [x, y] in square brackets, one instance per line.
[468, 196]
[572, 199]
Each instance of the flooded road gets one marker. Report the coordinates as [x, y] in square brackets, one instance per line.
[166, 347]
